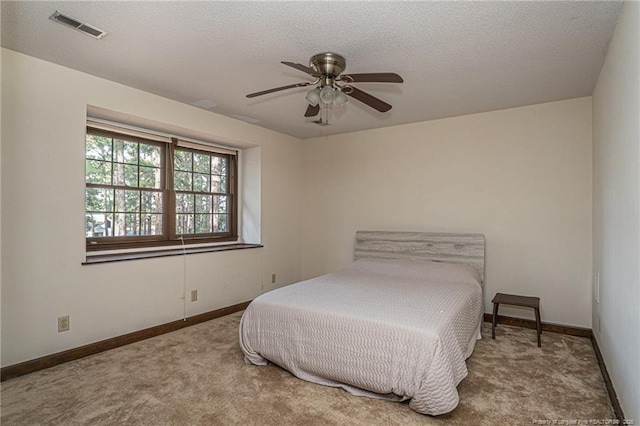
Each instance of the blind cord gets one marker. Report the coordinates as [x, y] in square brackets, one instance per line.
[184, 279]
[184, 250]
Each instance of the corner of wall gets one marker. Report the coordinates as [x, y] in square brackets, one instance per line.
[616, 210]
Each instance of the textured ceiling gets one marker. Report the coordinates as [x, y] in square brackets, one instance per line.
[455, 57]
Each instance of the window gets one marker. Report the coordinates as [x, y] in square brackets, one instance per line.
[201, 185]
[144, 193]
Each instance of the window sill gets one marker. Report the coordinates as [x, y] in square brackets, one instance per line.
[119, 257]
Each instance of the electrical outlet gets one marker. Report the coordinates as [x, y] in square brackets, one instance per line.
[194, 295]
[63, 323]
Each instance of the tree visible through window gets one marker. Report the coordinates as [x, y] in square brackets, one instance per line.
[201, 184]
[144, 193]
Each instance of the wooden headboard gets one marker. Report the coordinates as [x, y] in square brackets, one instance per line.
[443, 247]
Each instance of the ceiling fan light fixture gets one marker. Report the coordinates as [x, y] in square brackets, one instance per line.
[340, 98]
[327, 95]
[313, 96]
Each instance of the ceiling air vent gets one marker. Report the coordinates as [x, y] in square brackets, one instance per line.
[77, 25]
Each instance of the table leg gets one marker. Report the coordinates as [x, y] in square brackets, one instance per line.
[494, 323]
[538, 326]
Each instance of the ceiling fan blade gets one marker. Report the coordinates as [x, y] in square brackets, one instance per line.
[302, 68]
[277, 89]
[366, 98]
[379, 77]
[312, 111]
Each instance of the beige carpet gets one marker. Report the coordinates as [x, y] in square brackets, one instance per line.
[196, 376]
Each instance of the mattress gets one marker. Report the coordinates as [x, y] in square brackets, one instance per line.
[391, 329]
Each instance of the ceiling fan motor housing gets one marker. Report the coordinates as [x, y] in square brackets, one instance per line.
[328, 64]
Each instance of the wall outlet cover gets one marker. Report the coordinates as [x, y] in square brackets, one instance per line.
[63, 323]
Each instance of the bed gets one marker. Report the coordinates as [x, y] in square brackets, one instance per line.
[398, 323]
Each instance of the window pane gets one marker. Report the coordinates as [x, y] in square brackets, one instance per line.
[119, 228]
[182, 181]
[132, 224]
[151, 202]
[125, 151]
[220, 223]
[98, 225]
[203, 204]
[99, 199]
[201, 182]
[219, 184]
[132, 201]
[150, 155]
[98, 172]
[131, 152]
[151, 224]
[219, 165]
[182, 160]
[110, 224]
[150, 177]
[94, 199]
[184, 203]
[220, 204]
[120, 201]
[118, 151]
[203, 223]
[125, 174]
[201, 163]
[110, 201]
[98, 147]
[184, 224]
[130, 175]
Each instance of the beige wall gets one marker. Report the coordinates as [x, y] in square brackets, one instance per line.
[43, 112]
[0, 196]
[520, 176]
[616, 209]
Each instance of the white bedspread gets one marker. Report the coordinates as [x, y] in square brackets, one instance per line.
[393, 329]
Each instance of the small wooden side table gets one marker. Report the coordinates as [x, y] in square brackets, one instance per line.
[512, 299]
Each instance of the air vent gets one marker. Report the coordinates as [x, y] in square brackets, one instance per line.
[77, 25]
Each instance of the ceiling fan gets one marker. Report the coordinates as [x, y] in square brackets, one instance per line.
[331, 85]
